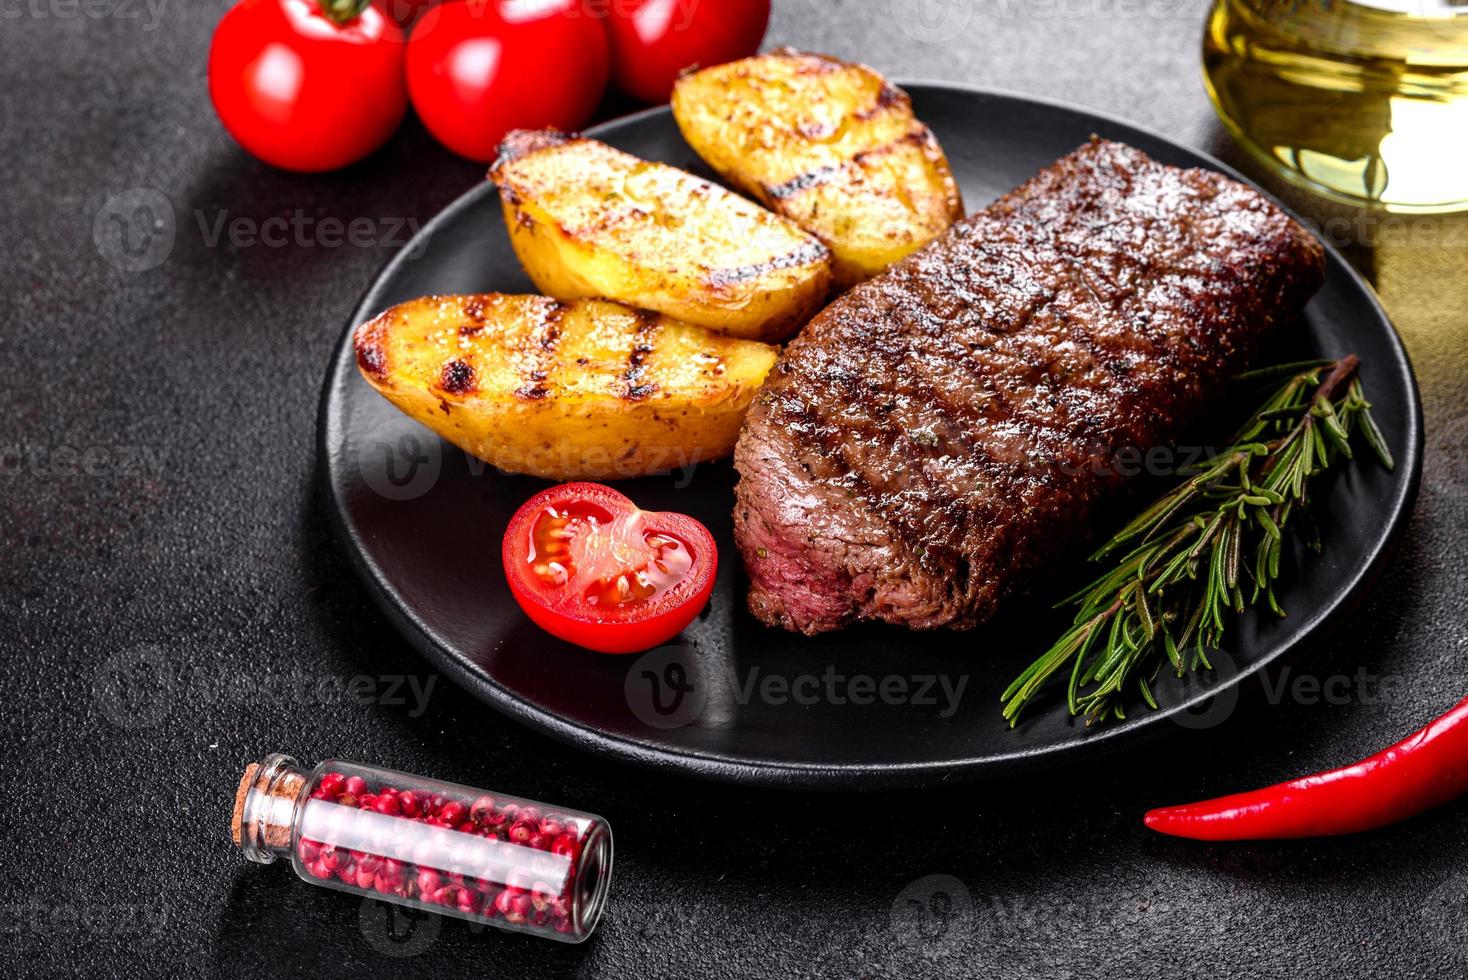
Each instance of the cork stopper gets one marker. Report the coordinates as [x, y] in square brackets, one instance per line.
[265, 807]
[238, 818]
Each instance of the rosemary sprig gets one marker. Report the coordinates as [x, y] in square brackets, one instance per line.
[1207, 550]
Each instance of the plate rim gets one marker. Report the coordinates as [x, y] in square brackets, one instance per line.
[847, 776]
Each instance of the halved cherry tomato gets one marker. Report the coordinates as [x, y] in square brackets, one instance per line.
[589, 567]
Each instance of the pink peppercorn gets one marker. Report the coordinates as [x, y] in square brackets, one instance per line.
[451, 849]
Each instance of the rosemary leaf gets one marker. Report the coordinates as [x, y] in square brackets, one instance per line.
[1181, 560]
[1284, 370]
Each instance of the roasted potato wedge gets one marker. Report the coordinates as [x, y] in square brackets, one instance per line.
[591, 221]
[828, 144]
[587, 389]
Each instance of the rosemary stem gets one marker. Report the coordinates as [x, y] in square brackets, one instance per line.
[1206, 551]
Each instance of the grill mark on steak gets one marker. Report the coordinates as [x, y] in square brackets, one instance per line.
[957, 425]
[931, 438]
[918, 441]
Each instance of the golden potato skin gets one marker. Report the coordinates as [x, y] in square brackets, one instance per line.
[831, 145]
[580, 390]
[587, 220]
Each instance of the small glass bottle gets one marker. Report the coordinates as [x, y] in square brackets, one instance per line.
[1363, 101]
[500, 860]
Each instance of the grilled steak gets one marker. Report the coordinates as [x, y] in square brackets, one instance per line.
[940, 431]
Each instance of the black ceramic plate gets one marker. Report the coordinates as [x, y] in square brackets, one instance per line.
[871, 706]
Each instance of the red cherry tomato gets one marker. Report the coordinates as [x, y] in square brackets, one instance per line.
[654, 40]
[480, 68]
[589, 567]
[301, 91]
[403, 12]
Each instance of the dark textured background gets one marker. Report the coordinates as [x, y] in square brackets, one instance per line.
[159, 511]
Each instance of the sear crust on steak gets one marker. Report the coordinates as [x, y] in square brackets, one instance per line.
[939, 432]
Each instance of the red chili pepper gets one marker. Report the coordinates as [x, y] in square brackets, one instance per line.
[1424, 770]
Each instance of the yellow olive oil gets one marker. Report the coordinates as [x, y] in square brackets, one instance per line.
[1365, 101]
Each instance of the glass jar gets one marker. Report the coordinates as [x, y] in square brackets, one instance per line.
[499, 860]
[1362, 101]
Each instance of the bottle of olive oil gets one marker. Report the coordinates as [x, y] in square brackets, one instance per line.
[1365, 101]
